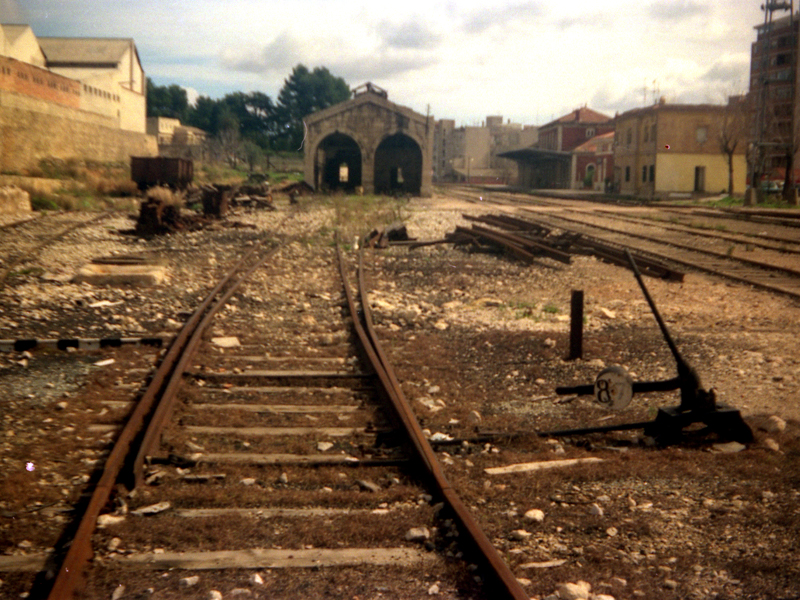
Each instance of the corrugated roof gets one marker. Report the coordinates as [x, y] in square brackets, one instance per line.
[88, 51]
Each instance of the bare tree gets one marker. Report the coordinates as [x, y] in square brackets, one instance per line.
[733, 131]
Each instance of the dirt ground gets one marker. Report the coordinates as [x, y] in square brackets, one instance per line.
[480, 342]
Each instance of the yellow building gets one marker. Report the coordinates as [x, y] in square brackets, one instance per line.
[669, 150]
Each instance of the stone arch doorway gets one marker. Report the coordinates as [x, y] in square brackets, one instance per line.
[398, 166]
[338, 163]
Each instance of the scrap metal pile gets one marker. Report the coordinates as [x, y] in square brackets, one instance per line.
[529, 241]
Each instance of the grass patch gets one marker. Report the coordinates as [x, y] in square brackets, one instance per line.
[551, 309]
[358, 215]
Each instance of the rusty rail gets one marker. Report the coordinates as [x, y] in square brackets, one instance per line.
[487, 554]
[70, 575]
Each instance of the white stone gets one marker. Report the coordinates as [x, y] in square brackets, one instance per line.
[520, 535]
[418, 534]
[729, 447]
[114, 543]
[574, 591]
[772, 444]
[214, 595]
[324, 446]
[189, 581]
[433, 590]
[226, 342]
[775, 425]
[596, 510]
[152, 509]
[256, 579]
[104, 521]
[118, 593]
[248, 481]
[535, 515]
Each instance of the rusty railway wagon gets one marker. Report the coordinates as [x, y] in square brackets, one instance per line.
[176, 173]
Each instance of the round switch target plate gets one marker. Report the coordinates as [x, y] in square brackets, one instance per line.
[613, 388]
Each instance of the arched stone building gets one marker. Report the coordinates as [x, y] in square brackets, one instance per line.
[371, 143]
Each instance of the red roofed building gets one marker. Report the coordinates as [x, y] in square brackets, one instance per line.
[573, 129]
[549, 164]
[593, 163]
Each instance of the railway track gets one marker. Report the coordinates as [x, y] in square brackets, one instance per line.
[744, 258]
[273, 464]
[22, 240]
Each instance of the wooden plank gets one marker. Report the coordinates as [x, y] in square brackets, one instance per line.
[281, 374]
[281, 359]
[267, 431]
[28, 563]
[540, 466]
[273, 389]
[282, 408]
[257, 558]
[278, 459]
[273, 513]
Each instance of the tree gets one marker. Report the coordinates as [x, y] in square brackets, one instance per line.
[305, 92]
[733, 131]
[204, 114]
[167, 101]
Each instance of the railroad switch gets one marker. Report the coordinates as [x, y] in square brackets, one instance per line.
[615, 389]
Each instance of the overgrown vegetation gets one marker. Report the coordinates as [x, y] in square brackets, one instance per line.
[80, 185]
[358, 215]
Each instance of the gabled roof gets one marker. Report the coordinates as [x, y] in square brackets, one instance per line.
[84, 51]
[372, 94]
[591, 145]
[13, 32]
[580, 115]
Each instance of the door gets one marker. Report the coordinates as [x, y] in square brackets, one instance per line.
[699, 179]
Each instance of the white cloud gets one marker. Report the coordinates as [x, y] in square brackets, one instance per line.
[527, 59]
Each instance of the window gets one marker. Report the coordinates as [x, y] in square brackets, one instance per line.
[628, 137]
[702, 135]
[652, 173]
[644, 174]
[627, 173]
[590, 132]
[646, 133]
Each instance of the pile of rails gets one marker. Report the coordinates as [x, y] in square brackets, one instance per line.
[529, 241]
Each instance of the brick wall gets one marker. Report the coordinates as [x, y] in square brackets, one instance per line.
[32, 129]
[20, 77]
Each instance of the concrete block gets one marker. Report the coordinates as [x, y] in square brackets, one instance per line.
[121, 275]
[13, 200]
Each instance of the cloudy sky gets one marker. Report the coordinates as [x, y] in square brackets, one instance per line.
[528, 60]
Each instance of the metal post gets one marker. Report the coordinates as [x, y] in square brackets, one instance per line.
[576, 326]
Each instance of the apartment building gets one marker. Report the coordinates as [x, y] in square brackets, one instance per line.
[472, 153]
[666, 150]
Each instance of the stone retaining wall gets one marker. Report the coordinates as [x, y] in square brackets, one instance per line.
[32, 129]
